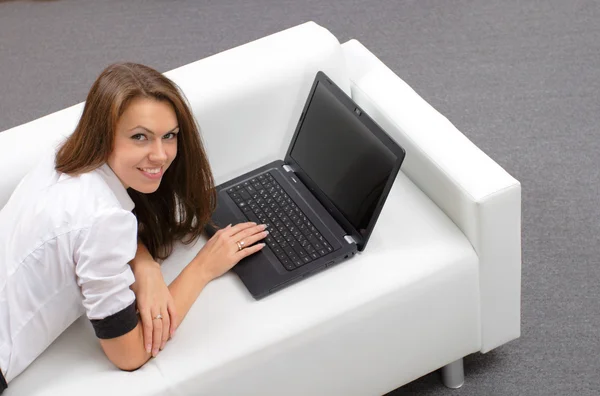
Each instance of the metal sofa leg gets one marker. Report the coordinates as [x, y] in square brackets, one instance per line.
[453, 374]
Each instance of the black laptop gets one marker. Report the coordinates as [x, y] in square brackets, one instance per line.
[322, 201]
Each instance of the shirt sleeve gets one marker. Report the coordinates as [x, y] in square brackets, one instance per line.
[104, 275]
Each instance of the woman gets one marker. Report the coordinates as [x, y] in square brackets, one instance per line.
[82, 230]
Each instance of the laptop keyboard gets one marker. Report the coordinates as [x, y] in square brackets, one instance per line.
[292, 237]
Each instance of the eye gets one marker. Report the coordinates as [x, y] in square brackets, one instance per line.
[139, 137]
[170, 136]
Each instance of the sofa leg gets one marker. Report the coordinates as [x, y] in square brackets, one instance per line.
[453, 374]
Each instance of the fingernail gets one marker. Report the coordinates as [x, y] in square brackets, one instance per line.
[154, 352]
[172, 333]
[262, 245]
[263, 225]
[266, 231]
[148, 348]
[162, 346]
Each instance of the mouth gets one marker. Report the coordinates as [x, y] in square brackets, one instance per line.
[152, 173]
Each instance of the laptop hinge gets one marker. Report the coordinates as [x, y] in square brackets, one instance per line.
[288, 168]
[349, 239]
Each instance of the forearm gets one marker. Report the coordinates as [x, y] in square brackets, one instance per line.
[142, 258]
[127, 352]
[186, 288]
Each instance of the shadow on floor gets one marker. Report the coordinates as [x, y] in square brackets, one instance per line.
[431, 384]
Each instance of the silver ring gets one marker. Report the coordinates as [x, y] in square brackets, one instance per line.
[240, 245]
[159, 316]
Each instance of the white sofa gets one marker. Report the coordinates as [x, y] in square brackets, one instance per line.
[439, 280]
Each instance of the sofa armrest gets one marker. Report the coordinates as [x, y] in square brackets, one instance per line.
[480, 197]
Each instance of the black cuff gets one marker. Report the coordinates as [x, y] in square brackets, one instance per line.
[3, 384]
[117, 324]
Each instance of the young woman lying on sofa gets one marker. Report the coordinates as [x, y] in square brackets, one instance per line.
[82, 231]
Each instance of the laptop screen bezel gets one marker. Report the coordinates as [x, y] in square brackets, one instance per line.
[367, 121]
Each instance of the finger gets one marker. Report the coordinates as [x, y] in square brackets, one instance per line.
[174, 317]
[147, 329]
[156, 335]
[250, 250]
[166, 325]
[245, 233]
[237, 228]
[252, 239]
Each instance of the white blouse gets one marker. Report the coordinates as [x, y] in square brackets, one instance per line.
[65, 245]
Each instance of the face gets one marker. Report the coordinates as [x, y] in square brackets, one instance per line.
[145, 144]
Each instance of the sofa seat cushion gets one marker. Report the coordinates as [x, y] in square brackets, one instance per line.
[405, 305]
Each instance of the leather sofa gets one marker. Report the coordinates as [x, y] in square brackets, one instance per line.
[439, 280]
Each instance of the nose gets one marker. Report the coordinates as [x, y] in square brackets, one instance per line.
[158, 154]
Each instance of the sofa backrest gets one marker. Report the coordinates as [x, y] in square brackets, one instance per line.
[246, 100]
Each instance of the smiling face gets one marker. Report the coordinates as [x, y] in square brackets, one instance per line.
[145, 144]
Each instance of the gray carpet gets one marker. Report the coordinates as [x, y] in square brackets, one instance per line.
[519, 78]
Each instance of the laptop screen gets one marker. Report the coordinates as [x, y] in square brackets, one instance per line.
[342, 157]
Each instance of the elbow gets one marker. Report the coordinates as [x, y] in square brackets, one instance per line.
[130, 363]
[126, 352]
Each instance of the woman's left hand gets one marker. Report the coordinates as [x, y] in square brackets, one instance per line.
[155, 304]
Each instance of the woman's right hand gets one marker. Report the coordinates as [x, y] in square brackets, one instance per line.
[222, 252]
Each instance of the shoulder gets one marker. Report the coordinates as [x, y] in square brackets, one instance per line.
[47, 203]
[86, 199]
[87, 191]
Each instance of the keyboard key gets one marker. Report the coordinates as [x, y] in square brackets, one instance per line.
[299, 250]
[252, 217]
[288, 264]
[244, 194]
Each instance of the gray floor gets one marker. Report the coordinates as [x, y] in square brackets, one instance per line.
[519, 78]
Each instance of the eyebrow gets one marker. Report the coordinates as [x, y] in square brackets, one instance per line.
[149, 131]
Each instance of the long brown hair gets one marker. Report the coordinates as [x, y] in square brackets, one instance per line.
[186, 197]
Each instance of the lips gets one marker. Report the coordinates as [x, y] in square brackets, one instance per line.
[152, 173]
